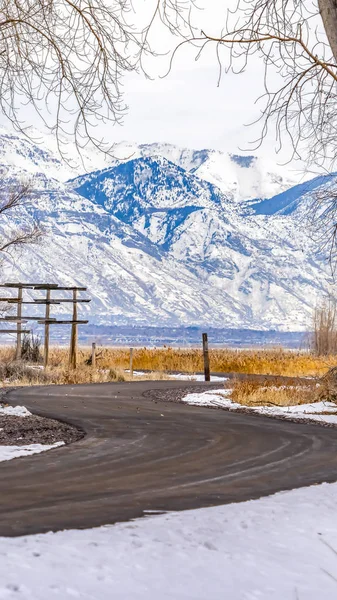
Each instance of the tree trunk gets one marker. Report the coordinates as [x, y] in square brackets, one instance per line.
[328, 11]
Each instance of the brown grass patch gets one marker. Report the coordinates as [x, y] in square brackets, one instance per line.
[20, 373]
[273, 393]
[265, 362]
[112, 363]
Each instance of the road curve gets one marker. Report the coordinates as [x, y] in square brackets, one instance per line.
[140, 455]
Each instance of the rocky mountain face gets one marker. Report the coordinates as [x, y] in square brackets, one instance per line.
[168, 236]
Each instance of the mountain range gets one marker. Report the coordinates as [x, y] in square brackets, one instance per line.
[164, 236]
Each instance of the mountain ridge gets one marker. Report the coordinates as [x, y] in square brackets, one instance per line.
[157, 244]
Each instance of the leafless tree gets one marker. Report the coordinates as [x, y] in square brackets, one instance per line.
[325, 327]
[13, 237]
[68, 56]
[297, 39]
[65, 59]
[11, 204]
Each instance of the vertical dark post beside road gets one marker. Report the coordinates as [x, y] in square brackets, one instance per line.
[73, 340]
[19, 325]
[131, 362]
[93, 355]
[46, 330]
[206, 357]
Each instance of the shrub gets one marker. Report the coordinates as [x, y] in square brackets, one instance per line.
[30, 350]
[116, 375]
[325, 328]
[17, 371]
[273, 393]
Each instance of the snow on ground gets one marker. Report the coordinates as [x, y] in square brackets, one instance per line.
[197, 377]
[221, 398]
[182, 376]
[278, 548]
[15, 411]
[9, 452]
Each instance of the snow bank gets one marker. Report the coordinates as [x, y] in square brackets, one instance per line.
[221, 398]
[182, 376]
[278, 548]
[15, 411]
[9, 452]
[197, 377]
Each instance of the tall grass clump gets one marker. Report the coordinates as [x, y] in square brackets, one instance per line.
[325, 328]
[31, 348]
[273, 393]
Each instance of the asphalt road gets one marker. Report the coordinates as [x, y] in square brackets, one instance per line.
[140, 454]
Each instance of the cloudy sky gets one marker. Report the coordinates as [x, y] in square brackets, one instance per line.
[187, 107]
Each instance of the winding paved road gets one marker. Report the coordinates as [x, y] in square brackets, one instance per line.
[141, 455]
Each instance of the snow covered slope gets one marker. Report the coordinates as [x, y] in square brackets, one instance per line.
[158, 244]
[241, 176]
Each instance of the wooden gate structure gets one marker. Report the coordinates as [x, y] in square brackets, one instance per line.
[48, 301]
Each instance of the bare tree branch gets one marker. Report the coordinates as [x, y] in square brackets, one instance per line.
[11, 202]
[65, 58]
[290, 39]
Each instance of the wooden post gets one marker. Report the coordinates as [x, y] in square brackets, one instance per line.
[19, 326]
[206, 357]
[93, 355]
[46, 330]
[131, 362]
[73, 339]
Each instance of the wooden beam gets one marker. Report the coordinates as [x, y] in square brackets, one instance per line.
[131, 362]
[93, 355]
[45, 286]
[19, 320]
[74, 334]
[46, 329]
[72, 288]
[19, 330]
[60, 300]
[27, 286]
[28, 302]
[39, 319]
[15, 331]
[206, 357]
[70, 322]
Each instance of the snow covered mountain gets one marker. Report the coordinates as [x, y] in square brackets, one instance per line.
[241, 176]
[157, 243]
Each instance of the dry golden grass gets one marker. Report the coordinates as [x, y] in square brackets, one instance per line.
[113, 362]
[264, 362]
[273, 393]
[20, 373]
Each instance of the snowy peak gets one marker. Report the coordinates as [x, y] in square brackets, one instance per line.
[19, 152]
[289, 201]
[146, 184]
[242, 177]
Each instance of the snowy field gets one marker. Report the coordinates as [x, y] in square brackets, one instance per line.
[278, 548]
